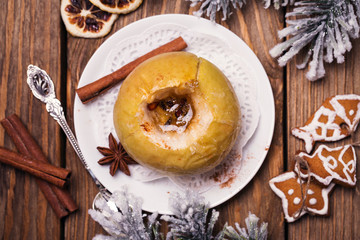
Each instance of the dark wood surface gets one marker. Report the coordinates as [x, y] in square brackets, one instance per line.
[32, 32]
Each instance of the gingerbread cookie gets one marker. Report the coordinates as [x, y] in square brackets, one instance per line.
[336, 119]
[287, 187]
[331, 164]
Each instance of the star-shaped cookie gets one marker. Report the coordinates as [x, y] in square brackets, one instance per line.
[287, 187]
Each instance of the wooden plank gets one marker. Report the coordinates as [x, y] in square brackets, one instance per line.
[249, 24]
[79, 52]
[303, 99]
[24, 212]
[258, 28]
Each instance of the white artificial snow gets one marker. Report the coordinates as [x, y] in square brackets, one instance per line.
[326, 27]
[190, 220]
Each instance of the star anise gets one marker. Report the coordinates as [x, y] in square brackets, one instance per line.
[116, 155]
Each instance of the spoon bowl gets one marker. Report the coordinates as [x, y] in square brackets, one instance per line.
[43, 88]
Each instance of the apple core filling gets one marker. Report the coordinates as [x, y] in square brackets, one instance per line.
[175, 117]
[173, 113]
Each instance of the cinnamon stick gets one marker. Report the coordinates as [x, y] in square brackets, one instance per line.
[41, 170]
[59, 199]
[100, 86]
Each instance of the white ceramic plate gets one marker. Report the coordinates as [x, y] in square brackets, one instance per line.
[91, 129]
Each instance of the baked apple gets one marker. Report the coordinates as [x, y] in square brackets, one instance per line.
[177, 114]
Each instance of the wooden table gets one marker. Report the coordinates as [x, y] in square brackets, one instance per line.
[32, 32]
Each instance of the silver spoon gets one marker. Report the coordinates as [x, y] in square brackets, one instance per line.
[42, 88]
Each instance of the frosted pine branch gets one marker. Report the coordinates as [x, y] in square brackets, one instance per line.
[126, 224]
[278, 3]
[211, 7]
[190, 218]
[325, 27]
[254, 232]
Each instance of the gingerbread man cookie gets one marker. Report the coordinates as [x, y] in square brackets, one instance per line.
[331, 164]
[287, 187]
[336, 119]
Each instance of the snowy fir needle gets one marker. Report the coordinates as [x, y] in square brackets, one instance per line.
[323, 28]
[128, 222]
[191, 220]
[211, 7]
[253, 230]
[278, 3]
[326, 27]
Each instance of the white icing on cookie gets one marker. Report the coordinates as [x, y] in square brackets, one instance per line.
[289, 176]
[297, 200]
[341, 111]
[310, 192]
[351, 166]
[330, 163]
[313, 201]
[325, 195]
[282, 178]
[291, 191]
[308, 132]
[351, 112]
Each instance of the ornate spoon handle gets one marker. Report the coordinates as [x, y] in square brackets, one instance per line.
[42, 88]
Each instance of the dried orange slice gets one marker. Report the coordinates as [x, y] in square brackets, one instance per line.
[117, 6]
[83, 19]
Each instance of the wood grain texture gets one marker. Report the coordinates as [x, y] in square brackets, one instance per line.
[24, 212]
[79, 52]
[303, 99]
[34, 33]
[258, 27]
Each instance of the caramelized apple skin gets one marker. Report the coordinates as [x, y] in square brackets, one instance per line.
[210, 133]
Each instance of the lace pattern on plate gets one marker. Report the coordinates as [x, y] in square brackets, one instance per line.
[217, 52]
